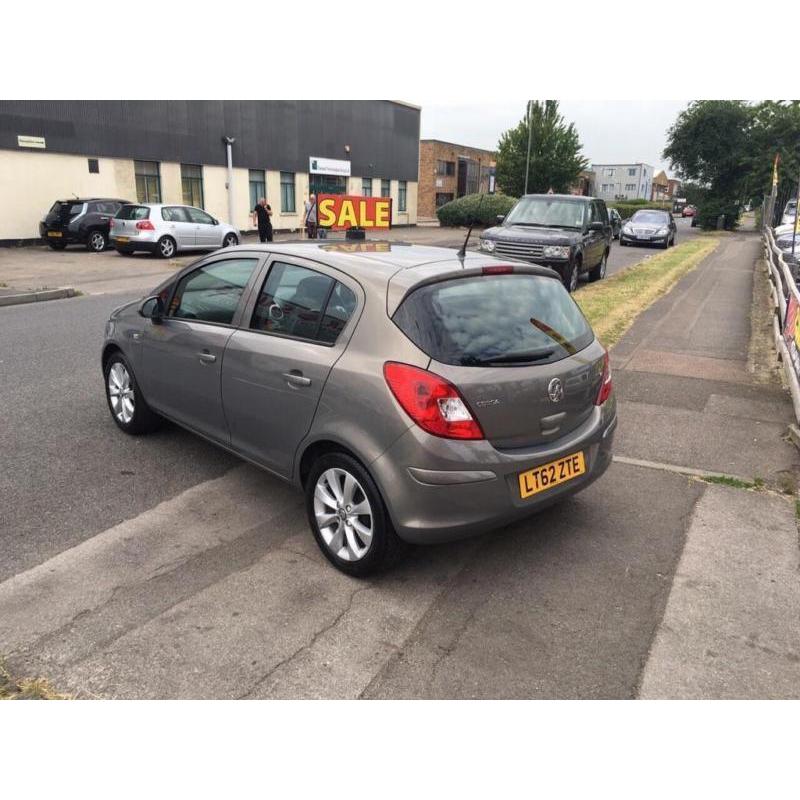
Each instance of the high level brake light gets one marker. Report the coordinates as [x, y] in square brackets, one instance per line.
[431, 401]
[605, 382]
[498, 269]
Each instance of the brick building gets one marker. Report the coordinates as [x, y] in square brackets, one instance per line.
[448, 171]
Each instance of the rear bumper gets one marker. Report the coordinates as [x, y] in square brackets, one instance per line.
[134, 243]
[66, 235]
[439, 490]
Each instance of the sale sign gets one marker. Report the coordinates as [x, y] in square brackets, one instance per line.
[342, 211]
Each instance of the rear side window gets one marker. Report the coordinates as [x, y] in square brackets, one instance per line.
[494, 319]
[302, 303]
[134, 212]
[174, 214]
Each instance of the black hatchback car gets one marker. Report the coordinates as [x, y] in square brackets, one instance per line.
[569, 233]
[80, 221]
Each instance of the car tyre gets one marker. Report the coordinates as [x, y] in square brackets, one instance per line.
[127, 405]
[599, 272]
[97, 242]
[57, 245]
[356, 544]
[166, 247]
[230, 240]
[572, 275]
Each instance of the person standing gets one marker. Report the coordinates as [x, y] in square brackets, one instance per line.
[262, 214]
[310, 216]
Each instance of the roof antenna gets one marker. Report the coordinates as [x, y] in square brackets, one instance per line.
[463, 251]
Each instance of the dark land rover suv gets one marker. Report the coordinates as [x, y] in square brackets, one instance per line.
[79, 221]
[570, 234]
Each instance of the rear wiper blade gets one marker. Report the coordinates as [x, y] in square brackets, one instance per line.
[510, 358]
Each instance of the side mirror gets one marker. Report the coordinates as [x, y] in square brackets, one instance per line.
[214, 221]
[499, 219]
[152, 308]
[596, 226]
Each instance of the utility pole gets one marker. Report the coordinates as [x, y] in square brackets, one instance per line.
[528, 160]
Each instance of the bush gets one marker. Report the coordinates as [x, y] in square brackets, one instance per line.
[463, 211]
[629, 207]
[712, 208]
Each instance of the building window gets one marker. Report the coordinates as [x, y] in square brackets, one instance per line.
[632, 171]
[608, 172]
[192, 185]
[442, 198]
[258, 186]
[630, 187]
[366, 187]
[473, 176]
[402, 191]
[287, 193]
[445, 167]
[94, 165]
[386, 190]
[148, 181]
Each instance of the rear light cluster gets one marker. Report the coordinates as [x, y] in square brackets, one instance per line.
[605, 382]
[111, 222]
[145, 225]
[431, 401]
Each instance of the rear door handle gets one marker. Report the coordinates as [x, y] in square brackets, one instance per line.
[296, 378]
[206, 357]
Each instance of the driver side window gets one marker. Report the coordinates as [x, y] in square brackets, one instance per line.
[198, 216]
[212, 292]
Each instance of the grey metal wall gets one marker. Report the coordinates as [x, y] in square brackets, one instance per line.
[272, 134]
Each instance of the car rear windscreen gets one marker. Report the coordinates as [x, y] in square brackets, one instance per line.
[133, 212]
[494, 320]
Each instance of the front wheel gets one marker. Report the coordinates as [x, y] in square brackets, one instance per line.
[166, 247]
[97, 242]
[599, 272]
[231, 240]
[571, 277]
[125, 401]
[348, 516]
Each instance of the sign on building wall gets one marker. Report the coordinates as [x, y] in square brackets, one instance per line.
[328, 166]
[342, 211]
[31, 141]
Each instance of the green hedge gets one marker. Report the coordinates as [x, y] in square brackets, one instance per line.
[463, 211]
[629, 207]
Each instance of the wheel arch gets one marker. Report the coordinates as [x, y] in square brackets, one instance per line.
[318, 448]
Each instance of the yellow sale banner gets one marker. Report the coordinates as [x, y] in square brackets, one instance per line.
[343, 211]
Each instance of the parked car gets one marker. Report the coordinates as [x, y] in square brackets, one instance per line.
[689, 211]
[412, 394]
[79, 221]
[615, 220]
[569, 233]
[789, 213]
[649, 226]
[164, 229]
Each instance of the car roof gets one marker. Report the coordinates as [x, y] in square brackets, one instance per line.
[580, 198]
[92, 200]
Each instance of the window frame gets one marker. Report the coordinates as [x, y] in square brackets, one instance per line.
[146, 177]
[402, 197]
[364, 182]
[248, 312]
[262, 192]
[293, 184]
[194, 181]
[247, 292]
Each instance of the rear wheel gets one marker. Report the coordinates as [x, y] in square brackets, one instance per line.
[599, 272]
[231, 240]
[348, 516]
[97, 242]
[128, 408]
[166, 247]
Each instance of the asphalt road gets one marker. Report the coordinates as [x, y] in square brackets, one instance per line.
[213, 585]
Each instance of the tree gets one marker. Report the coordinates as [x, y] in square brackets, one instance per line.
[555, 161]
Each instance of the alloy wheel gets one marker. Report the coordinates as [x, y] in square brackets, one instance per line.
[573, 279]
[343, 514]
[167, 248]
[97, 242]
[603, 266]
[120, 393]
[230, 241]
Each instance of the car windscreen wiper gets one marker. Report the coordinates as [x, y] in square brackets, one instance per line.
[509, 358]
[554, 335]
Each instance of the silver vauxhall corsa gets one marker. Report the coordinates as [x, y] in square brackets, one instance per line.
[414, 395]
[164, 229]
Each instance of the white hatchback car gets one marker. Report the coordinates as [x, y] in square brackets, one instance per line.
[164, 229]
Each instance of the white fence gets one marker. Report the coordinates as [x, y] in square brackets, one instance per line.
[786, 322]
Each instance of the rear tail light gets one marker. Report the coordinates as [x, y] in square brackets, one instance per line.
[498, 269]
[605, 382]
[431, 401]
[145, 225]
[111, 223]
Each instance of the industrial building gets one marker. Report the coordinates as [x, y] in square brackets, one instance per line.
[221, 155]
[623, 181]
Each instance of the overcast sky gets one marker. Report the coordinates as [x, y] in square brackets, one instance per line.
[611, 131]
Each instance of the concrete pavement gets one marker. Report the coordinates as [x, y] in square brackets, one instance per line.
[160, 567]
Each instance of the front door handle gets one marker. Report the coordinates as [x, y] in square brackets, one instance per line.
[296, 378]
[206, 357]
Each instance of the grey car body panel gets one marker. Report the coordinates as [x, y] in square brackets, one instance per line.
[434, 488]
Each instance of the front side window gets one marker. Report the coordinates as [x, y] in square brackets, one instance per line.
[287, 193]
[258, 186]
[192, 184]
[212, 292]
[494, 319]
[402, 191]
[386, 188]
[366, 187]
[199, 217]
[547, 212]
[302, 303]
[148, 181]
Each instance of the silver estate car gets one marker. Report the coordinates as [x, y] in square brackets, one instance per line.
[414, 395]
[164, 229]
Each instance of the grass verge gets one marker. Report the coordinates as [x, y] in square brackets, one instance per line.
[26, 688]
[611, 305]
[734, 483]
